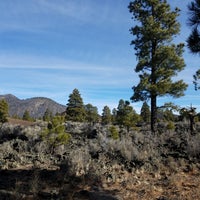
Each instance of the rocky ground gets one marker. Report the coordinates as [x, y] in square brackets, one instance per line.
[94, 166]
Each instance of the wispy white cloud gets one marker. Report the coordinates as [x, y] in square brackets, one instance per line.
[74, 9]
[28, 76]
[72, 71]
[88, 11]
[40, 15]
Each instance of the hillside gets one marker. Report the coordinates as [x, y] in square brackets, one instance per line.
[36, 106]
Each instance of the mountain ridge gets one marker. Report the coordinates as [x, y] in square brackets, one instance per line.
[35, 105]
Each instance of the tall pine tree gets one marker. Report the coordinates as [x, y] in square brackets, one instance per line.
[158, 59]
[75, 110]
[106, 115]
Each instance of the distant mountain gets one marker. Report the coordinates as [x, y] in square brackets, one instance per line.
[36, 106]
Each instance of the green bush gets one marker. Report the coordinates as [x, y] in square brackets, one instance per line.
[55, 132]
[170, 125]
[114, 133]
[3, 111]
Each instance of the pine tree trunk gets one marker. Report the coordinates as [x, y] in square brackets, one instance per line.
[153, 113]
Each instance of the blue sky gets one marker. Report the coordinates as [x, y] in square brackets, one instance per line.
[48, 48]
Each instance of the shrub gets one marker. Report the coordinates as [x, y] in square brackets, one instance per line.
[55, 132]
[3, 111]
[170, 125]
[114, 133]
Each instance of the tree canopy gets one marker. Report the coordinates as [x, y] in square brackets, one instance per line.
[194, 22]
[193, 40]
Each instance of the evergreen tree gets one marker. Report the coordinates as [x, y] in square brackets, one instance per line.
[166, 111]
[158, 59]
[75, 110]
[120, 112]
[26, 116]
[194, 38]
[91, 113]
[168, 115]
[145, 112]
[106, 115]
[194, 22]
[3, 111]
[126, 115]
[114, 116]
[15, 116]
[55, 133]
[47, 115]
[189, 113]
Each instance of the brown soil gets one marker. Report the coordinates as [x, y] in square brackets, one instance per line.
[42, 184]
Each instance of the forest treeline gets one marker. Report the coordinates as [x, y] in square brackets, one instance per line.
[124, 115]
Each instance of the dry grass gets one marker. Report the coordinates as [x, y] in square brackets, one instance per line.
[20, 122]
